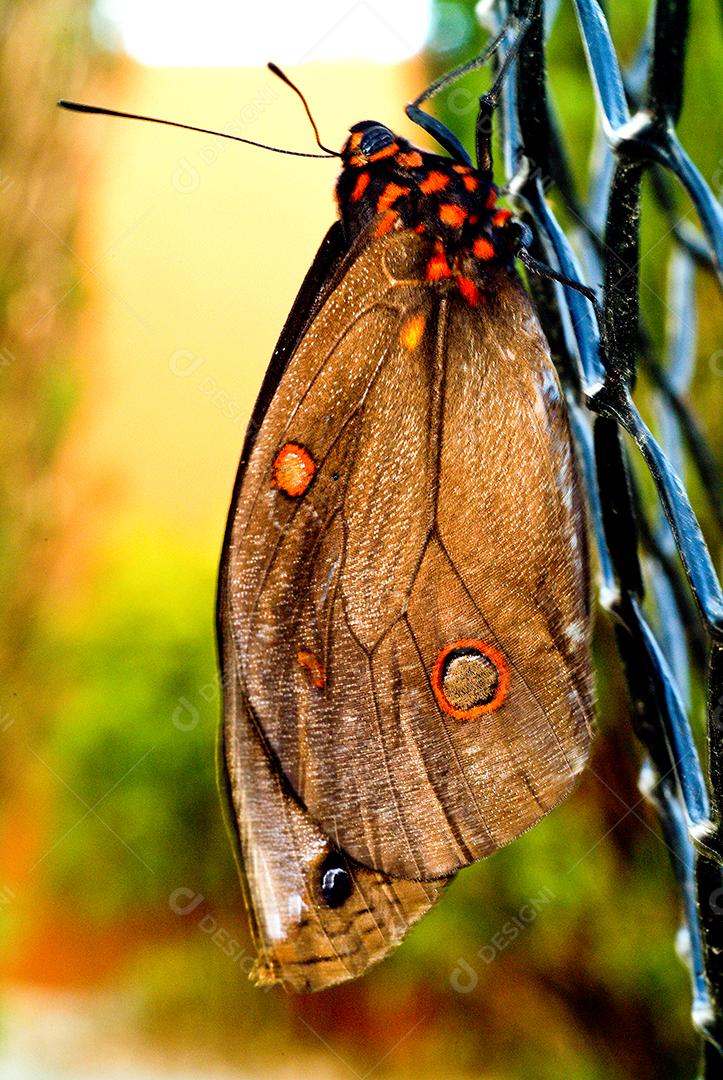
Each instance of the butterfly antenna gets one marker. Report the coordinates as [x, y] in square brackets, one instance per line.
[480, 60]
[99, 110]
[276, 70]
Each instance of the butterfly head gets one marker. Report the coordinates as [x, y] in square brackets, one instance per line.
[370, 141]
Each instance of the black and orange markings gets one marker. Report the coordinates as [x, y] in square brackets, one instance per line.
[452, 204]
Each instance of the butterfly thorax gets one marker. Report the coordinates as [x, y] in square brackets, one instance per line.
[388, 184]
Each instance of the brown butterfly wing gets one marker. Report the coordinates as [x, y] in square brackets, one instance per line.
[301, 942]
[443, 507]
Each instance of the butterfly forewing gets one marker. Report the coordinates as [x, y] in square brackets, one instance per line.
[415, 552]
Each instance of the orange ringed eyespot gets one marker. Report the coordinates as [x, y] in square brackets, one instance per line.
[293, 469]
[470, 678]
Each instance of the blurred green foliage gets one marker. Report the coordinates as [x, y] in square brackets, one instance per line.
[589, 988]
[135, 734]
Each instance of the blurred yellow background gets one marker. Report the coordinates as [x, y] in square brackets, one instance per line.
[192, 251]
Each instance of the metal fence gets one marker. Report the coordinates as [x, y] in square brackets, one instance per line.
[668, 634]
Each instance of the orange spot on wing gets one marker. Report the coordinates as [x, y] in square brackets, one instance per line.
[451, 214]
[360, 187]
[314, 666]
[421, 228]
[461, 168]
[434, 181]
[293, 469]
[491, 199]
[470, 182]
[468, 289]
[411, 160]
[503, 679]
[412, 331]
[391, 193]
[483, 248]
[386, 223]
[385, 152]
[501, 217]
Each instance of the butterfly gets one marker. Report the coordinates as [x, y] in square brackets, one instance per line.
[403, 604]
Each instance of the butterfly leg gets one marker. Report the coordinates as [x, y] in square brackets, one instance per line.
[439, 131]
[483, 133]
[446, 138]
[488, 102]
[535, 266]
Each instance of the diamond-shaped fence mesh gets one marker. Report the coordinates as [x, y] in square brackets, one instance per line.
[656, 578]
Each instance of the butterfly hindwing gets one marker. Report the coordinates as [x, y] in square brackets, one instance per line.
[301, 941]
